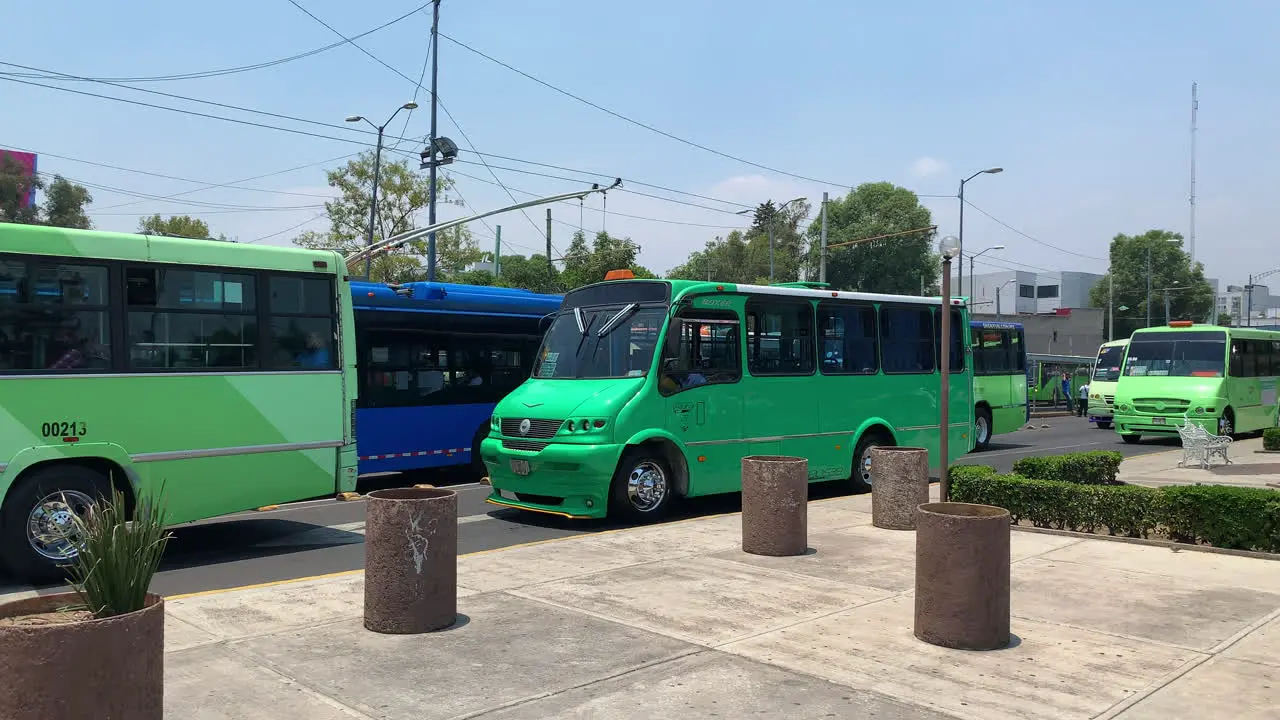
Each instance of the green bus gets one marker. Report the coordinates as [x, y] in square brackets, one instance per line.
[1223, 379]
[1102, 388]
[647, 390]
[1044, 377]
[223, 373]
[999, 359]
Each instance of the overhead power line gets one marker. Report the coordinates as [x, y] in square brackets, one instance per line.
[1033, 239]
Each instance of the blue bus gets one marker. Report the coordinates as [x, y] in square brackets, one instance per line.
[434, 359]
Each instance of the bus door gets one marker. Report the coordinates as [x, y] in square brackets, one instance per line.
[701, 374]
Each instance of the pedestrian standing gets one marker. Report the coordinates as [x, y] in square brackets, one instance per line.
[1082, 403]
[1066, 391]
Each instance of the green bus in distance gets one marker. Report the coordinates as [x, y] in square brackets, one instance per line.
[647, 390]
[222, 373]
[1223, 379]
[1102, 388]
[999, 358]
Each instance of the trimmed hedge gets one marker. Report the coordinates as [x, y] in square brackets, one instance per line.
[1271, 439]
[1098, 467]
[1221, 516]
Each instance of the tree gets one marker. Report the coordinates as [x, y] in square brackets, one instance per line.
[583, 266]
[456, 249]
[176, 225]
[402, 192]
[64, 204]
[1224, 319]
[743, 257]
[530, 273]
[15, 184]
[1172, 274]
[891, 265]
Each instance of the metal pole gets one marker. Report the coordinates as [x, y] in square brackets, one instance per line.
[822, 267]
[971, 285]
[373, 203]
[431, 197]
[944, 415]
[497, 250]
[1166, 307]
[771, 252]
[1248, 313]
[549, 264]
[960, 253]
[1148, 287]
[998, 291]
[1111, 306]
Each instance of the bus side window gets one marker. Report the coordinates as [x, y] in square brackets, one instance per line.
[700, 350]
[781, 338]
[906, 339]
[848, 339]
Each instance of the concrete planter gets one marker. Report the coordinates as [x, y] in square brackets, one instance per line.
[775, 505]
[902, 485]
[107, 669]
[962, 575]
[411, 560]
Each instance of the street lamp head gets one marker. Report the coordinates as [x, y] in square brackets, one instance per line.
[949, 247]
[796, 200]
[354, 118]
[409, 106]
[994, 170]
[996, 247]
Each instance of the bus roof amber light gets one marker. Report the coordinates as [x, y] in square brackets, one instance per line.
[623, 274]
[1181, 323]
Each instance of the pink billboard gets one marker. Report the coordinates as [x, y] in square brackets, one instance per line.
[27, 163]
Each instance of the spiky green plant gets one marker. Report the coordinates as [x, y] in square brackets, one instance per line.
[117, 554]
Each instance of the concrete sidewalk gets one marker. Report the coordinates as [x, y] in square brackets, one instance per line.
[1248, 468]
[674, 621]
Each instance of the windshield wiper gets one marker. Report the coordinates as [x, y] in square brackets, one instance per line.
[614, 321]
[582, 326]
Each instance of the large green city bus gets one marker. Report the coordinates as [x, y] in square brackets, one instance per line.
[1223, 379]
[223, 373]
[645, 390]
[1102, 388]
[999, 359]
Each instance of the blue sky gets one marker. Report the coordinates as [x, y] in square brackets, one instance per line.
[1085, 104]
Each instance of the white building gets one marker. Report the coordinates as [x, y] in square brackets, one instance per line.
[1024, 292]
[1236, 302]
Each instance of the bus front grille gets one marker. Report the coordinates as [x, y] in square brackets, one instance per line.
[1161, 406]
[528, 445]
[1109, 400]
[536, 429]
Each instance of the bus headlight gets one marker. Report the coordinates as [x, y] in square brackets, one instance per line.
[1199, 411]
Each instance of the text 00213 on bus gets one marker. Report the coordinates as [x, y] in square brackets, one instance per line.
[999, 359]
[1223, 379]
[434, 360]
[646, 390]
[1102, 388]
[222, 372]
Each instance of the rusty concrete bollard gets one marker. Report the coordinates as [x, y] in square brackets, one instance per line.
[775, 505]
[962, 575]
[411, 560]
[901, 485]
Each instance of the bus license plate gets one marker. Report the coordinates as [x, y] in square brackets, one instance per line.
[520, 467]
[1154, 421]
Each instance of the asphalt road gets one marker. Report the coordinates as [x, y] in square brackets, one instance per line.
[316, 538]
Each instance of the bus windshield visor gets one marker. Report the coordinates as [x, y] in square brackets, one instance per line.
[1168, 356]
[600, 342]
[1108, 367]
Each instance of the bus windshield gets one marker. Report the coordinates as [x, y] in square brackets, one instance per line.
[600, 342]
[1108, 367]
[1177, 355]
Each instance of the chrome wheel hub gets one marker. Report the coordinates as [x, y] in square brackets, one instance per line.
[865, 466]
[646, 486]
[51, 527]
[983, 430]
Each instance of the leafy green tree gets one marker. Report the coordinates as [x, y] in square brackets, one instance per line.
[402, 192]
[1224, 319]
[891, 265]
[175, 225]
[583, 265]
[1171, 271]
[456, 250]
[64, 204]
[14, 186]
[530, 273]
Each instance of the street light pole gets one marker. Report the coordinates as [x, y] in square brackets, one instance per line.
[431, 173]
[948, 247]
[960, 241]
[377, 174]
[1148, 287]
[975, 257]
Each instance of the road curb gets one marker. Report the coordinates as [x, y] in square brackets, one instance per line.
[1151, 542]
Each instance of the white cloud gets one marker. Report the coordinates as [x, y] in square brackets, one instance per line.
[927, 167]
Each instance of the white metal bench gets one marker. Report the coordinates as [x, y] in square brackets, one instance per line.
[1200, 446]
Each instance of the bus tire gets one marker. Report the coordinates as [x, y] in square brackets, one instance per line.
[642, 486]
[477, 460]
[1131, 438]
[1104, 424]
[861, 477]
[81, 486]
[1227, 423]
[981, 428]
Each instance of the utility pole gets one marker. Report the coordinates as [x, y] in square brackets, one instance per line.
[1148, 287]
[373, 205]
[431, 197]
[1111, 306]
[822, 266]
[1166, 307]
[549, 264]
[497, 250]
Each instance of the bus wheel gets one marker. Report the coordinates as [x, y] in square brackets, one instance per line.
[477, 461]
[642, 486]
[981, 428]
[1227, 423]
[1131, 439]
[37, 527]
[861, 479]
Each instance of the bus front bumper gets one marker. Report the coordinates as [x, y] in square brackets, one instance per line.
[1132, 424]
[1100, 412]
[569, 480]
